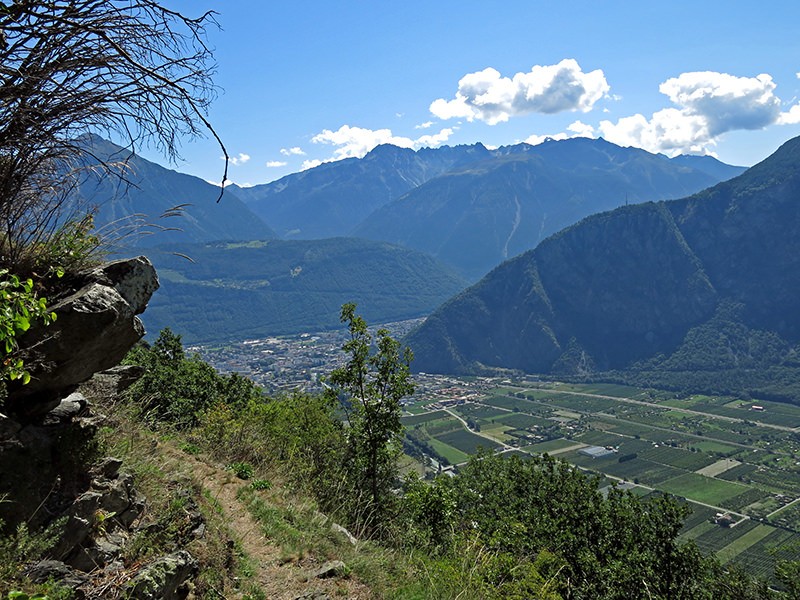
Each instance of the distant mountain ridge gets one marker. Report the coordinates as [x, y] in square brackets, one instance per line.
[470, 206]
[332, 198]
[628, 285]
[424, 199]
[244, 290]
[478, 215]
[150, 190]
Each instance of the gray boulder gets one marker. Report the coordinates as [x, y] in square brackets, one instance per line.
[166, 578]
[95, 327]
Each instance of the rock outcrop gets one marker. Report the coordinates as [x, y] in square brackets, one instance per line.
[96, 325]
[97, 510]
[47, 431]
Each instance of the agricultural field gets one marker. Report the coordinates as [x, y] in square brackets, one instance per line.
[720, 454]
[466, 441]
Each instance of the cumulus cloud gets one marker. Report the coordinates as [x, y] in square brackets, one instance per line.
[488, 96]
[580, 129]
[670, 131]
[292, 151]
[575, 129]
[791, 116]
[535, 140]
[425, 125]
[238, 160]
[708, 104]
[726, 102]
[276, 163]
[310, 164]
[357, 141]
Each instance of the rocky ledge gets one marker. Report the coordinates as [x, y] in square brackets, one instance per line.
[96, 325]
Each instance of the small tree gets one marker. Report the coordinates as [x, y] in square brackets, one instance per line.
[369, 387]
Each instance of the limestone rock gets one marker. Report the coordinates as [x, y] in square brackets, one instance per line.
[95, 328]
[332, 568]
[57, 571]
[335, 527]
[166, 578]
[74, 405]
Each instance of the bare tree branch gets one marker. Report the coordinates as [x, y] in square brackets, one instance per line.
[130, 70]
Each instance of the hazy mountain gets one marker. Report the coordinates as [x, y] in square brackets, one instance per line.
[476, 216]
[708, 164]
[330, 199]
[631, 284]
[150, 190]
[251, 289]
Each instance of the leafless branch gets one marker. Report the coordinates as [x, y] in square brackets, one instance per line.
[130, 70]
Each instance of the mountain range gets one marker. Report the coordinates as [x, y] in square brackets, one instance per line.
[469, 206]
[462, 210]
[223, 291]
[637, 284]
[477, 215]
[332, 198]
[133, 203]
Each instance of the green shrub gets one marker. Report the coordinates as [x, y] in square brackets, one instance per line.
[19, 308]
[242, 470]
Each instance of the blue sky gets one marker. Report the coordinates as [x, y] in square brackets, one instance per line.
[309, 81]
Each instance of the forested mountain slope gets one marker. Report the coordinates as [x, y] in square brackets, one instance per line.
[330, 199]
[628, 285]
[147, 190]
[244, 290]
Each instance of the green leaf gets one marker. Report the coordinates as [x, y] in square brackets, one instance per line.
[22, 323]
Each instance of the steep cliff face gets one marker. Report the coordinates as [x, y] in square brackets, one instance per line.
[626, 285]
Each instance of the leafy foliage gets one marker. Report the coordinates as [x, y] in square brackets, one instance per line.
[20, 306]
[22, 545]
[370, 387]
[501, 528]
[176, 389]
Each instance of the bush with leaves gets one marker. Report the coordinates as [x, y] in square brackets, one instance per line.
[20, 306]
[176, 389]
[612, 546]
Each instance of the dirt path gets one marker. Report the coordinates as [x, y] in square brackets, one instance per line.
[277, 579]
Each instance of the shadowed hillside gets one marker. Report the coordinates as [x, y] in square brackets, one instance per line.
[628, 285]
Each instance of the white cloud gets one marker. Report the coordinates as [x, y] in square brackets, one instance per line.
[726, 102]
[707, 105]
[581, 129]
[238, 160]
[576, 129]
[310, 164]
[488, 96]
[535, 140]
[357, 141]
[670, 131]
[431, 141]
[425, 125]
[276, 163]
[790, 117]
[292, 151]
